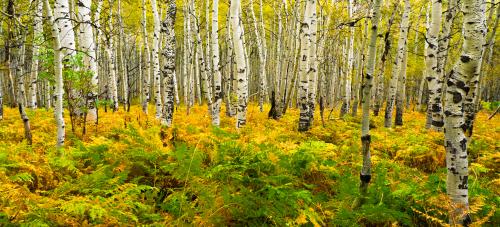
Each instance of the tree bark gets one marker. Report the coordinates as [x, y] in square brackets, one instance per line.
[462, 82]
[402, 43]
[434, 76]
[58, 71]
[242, 88]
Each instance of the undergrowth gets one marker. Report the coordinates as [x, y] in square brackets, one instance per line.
[131, 171]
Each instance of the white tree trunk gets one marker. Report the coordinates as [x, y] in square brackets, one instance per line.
[262, 58]
[168, 71]
[393, 84]
[216, 64]
[434, 79]
[88, 46]
[146, 95]
[242, 89]
[365, 175]
[37, 40]
[350, 60]
[463, 79]
[304, 66]
[156, 59]
[112, 83]
[58, 71]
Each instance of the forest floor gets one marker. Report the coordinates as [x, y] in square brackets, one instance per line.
[132, 171]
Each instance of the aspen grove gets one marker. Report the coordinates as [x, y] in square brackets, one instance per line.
[249, 112]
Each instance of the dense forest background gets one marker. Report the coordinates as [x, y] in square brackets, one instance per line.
[249, 112]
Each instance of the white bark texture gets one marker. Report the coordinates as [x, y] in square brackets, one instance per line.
[241, 64]
[216, 65]
[168, 71]
[37, 40]
[146, 78]
[87, 45]
[365, 175]
[393, 84]
[156, 59]
[461, 85]
[58, 68]
[434, 77]
[304, 65]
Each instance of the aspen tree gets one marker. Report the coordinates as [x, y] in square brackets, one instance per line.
[262, 58]
[350, 60]
[401, 90]
[241, 64]
[434, 79]
[58, 71]
[146, 95]
[168, 71]
[365, 175]
[393, 84]
[207, 88]
[462, 82]
[88, 46]
[304, 68]
[313, 63]
[121, 47]
[37, 39]
[472, 102]
[112, 83]
[156, 61]
[216, 64]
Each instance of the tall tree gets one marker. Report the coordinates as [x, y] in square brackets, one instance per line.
[365, 175]
[434, 76]
[393, 84]
[87, 45]
[350, 60]
[147, 64]
[168, 71]
[461, 85]
[37, 39]
[241, 64]
[305, 43]
[156, 59]
[58, 75]
[216, 64]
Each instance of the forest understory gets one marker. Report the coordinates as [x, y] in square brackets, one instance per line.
[129, 170]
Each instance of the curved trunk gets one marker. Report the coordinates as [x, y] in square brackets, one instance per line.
[365, 175]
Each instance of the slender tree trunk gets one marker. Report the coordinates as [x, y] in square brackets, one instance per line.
[401, 95]
[434, 76]
[262, 59]
[313, 63]
[156, 60]
[242, 89]
[146, 95]
[350, 60]
[393, 85]
[58, 71]
[462, 81]
[37, 39]
[305, 61]
[88, 46]
[216, 64]
[168, 71]
[365, 175]
[112, 83]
